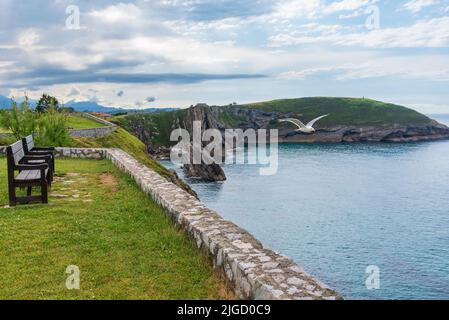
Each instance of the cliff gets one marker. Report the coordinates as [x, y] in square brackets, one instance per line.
[350, 120]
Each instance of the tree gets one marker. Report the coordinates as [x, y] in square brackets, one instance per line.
[46, 102]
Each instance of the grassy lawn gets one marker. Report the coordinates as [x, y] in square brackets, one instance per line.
[99, 220]
[78, 122]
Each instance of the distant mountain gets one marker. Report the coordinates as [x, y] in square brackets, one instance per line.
[90, 106]
[5, 102]
[86, 106]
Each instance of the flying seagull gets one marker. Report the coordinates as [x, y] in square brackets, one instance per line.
[306, 128]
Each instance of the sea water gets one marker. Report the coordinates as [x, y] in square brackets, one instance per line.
[339, 209]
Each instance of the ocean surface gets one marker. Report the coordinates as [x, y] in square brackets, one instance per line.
[337, 209]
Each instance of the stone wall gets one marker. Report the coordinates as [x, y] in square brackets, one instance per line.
[100, 120]
[253, 271]
[92, 133]
[82, 153]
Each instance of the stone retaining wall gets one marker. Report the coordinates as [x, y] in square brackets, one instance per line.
[82, 153]
[92, 133]
[100, 120]
[253, 271]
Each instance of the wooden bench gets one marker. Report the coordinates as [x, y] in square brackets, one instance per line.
[34, 171]
[31, 150]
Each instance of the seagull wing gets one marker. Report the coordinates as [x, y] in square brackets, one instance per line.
[311, 123]
[296, 122]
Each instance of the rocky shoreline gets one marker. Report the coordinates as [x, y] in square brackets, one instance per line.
[241, 117]
[395, 133]
[212, 118]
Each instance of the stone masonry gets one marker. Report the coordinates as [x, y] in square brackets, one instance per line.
[92, 133]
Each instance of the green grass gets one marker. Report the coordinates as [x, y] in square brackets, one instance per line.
[74, 121]
[122, 139]
[7, 140]
[78, 122]
[229, 119]
[344, 111]
[156, 125]
[99, 220]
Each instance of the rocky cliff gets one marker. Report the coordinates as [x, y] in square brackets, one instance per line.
[351, 120]
[240, 117]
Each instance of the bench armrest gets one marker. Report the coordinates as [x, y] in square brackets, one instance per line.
[29, 167]
[42, 156]
[42, 152]
[44, 149]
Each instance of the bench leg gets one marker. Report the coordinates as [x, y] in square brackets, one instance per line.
[49, 179]
[12, 196]
[44, 188]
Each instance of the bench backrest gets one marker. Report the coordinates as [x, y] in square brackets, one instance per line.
[28, 144]
[15, 152]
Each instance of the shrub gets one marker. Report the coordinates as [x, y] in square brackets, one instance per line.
[53, 129]
[21, 120]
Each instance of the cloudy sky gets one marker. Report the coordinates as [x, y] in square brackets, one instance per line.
[155, 53]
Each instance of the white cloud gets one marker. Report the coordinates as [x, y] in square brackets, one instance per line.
[28, 38]
[415, 6]
[304, 74]
[431, 33]
[288, 9]
[429, 67]
[121, 12]
[348, 5]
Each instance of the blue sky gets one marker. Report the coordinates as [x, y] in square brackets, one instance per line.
[164, 53]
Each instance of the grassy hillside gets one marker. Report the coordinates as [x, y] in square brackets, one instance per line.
[78, 122]
[122, 139]
[158, 126]
[344, 111]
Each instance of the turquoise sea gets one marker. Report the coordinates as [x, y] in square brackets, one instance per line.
[337, 209]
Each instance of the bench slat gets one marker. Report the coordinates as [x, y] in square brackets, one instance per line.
[30, 142]
[29, 175]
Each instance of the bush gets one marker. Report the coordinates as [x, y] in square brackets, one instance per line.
[22, 120]
[50, 128]
[53, 129]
